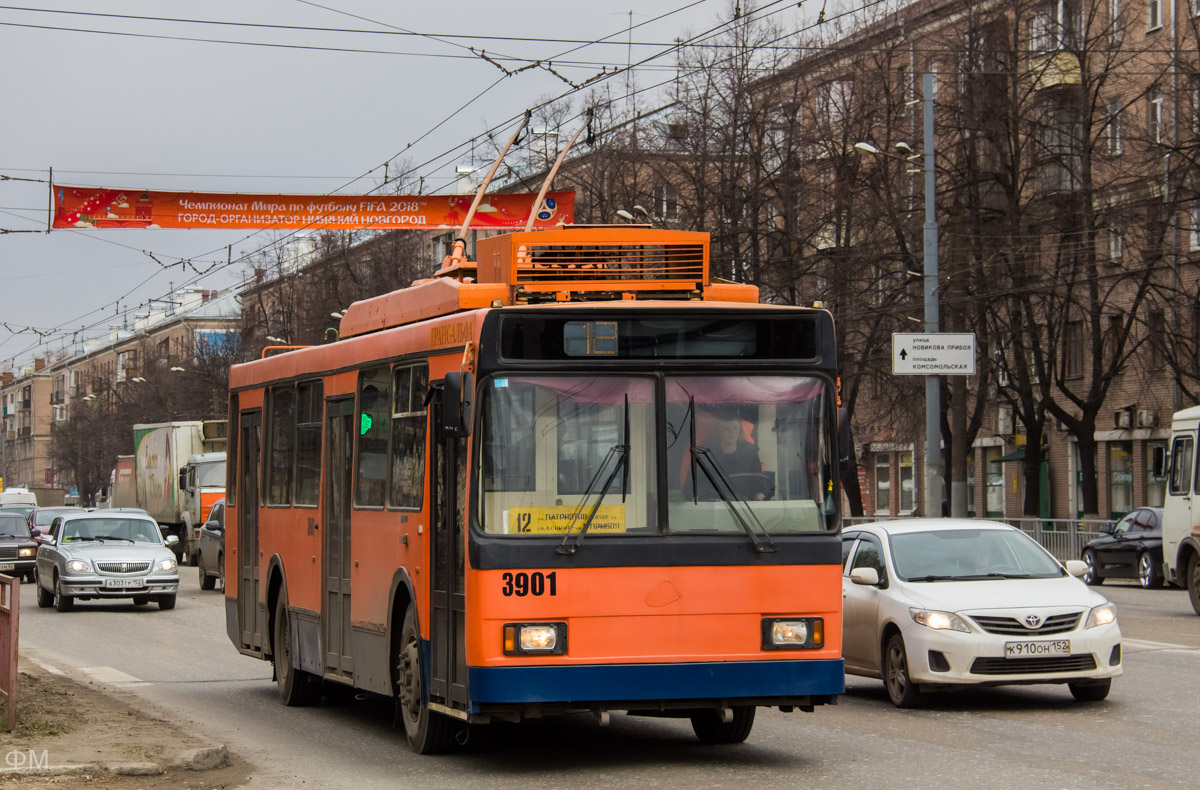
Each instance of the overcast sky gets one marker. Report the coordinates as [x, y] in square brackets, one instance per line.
[184, 115]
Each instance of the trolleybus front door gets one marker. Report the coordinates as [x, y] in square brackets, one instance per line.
[447, 596]
[339, 482]
[249, 621]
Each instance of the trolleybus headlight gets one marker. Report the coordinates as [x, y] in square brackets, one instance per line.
[793, 633]
[535, 638]
[77, 566]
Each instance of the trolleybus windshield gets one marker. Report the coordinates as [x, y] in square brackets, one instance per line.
[696, 445]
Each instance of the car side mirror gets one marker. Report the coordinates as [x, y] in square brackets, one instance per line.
[868, 577]
[171, 540]
[1077, 568]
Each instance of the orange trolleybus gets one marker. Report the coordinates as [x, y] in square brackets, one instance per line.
[576, 474]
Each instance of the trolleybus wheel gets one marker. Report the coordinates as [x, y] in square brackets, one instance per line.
[296, 687]
[709, 728]
[428, 732]
[1192, 581]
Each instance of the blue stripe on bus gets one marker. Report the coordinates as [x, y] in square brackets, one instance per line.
[601, 682]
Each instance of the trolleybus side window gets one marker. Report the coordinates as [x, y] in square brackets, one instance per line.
[1181, 466]
[374, 418]
[308, 442]
[408, 436]
[282, 439]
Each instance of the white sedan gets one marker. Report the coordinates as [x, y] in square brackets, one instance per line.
[953, 602]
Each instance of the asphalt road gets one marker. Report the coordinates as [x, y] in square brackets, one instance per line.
[1143, 736]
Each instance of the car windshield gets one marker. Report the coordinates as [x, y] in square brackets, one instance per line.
[737, 453]
[970, 554]
[133, 530]
[42, 518]
[13, 526]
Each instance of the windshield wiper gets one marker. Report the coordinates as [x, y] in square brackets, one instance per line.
[703, 458]
[570, 542]
[933, 577]
[103, 538]
[1008, 575]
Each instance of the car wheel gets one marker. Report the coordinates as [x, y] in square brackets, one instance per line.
[428, 732]
[45, 598]
[1090, 691]
[710, 729]
[1193, 582]
[900, 688]
[1092, 574]
[206, 582]
[166, 601]
[296, 687]
[221, 569]
[1149, 571]
[62, 603]
[141, 600]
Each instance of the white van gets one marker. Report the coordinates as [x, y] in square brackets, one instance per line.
[1181, 510]
[17, 496]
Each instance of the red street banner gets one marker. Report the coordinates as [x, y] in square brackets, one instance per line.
[95, 207]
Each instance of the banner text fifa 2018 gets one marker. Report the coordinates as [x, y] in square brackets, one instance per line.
[98, 207]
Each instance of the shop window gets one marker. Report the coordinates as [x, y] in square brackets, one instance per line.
[1156, 487]
[971, 484]
[1120, 477]
[883, 485]
[994, 471]
[908, 500]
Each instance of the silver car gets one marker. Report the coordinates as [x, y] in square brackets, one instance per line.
[103, 555]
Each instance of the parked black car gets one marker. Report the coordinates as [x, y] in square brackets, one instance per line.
[1129, 549]
[18, 549]
[211, 554]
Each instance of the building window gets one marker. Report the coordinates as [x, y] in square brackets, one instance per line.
[666, 201]
[1120, 478]
[1116, 25]
[1073, 354]
[908, 500]
[1156, 487]
[883, 485]
[1112, 130]
[1153, 14]
[994, 471]
[1194, 230]
[408, 436]
[1154, 116]
[308, 442]
[1055, 25]
[1156, 335]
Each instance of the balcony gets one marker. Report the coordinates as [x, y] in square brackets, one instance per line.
[1054, 69]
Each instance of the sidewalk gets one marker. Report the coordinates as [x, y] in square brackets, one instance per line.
[74, 732]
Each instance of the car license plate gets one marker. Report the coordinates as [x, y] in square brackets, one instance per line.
[6, 566]
[1059, 647]
[111, 583]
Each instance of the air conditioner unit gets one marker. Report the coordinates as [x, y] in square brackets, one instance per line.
[1122, 418]
[1146, 418]
[1004, 420]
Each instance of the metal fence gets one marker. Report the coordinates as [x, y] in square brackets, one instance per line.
[1062, 537]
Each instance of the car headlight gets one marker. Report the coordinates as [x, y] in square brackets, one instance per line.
[535, 638]
[793, 633]
[26, 552]
[940, 621]
[166, 565]
[1102, 615]
[77, 566]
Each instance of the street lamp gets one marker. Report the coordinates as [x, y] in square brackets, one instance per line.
[625, 215]
[933, 392]
[178, 369]
[274, 339]
[338, 314]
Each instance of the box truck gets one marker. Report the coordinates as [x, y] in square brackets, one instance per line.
[178, 473]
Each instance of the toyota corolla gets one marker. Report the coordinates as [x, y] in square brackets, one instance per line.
[939, 603]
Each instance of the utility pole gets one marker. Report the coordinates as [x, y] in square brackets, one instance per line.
[933, 392]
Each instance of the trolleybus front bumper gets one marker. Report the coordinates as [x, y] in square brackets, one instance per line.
[656, 686]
